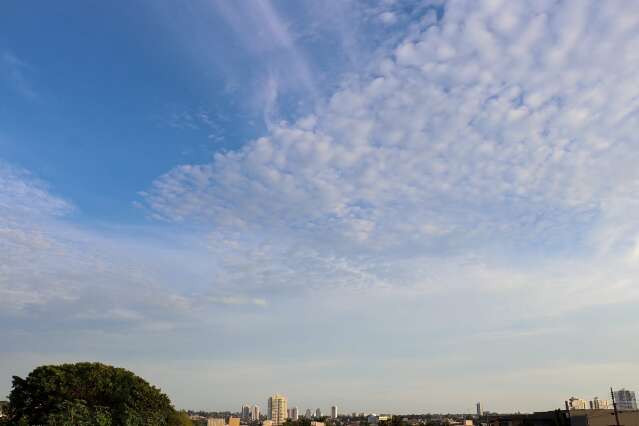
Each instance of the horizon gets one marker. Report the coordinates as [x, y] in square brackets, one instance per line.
[389, 205]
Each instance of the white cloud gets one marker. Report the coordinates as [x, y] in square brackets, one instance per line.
[236, 300]
[505, 127]
[55, 270]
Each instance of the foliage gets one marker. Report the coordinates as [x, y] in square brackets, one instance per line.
[180, 418]
[396, 421]
[90, 394]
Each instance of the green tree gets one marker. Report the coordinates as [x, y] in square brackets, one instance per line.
[71, 413]
[180, 418]
[396, 421]
[91, 394]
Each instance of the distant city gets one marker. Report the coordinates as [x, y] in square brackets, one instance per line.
[618, 409]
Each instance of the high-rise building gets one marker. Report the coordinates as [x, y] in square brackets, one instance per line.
[479, 409]
[577, 404]
[600, 404]
[318, 413]
[334, 412]
[294, 414]
[625, 400]
[308, 414]
[255, 413]
[277, 407]
[246, 412]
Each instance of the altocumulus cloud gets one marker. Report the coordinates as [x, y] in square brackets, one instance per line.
[495, 131]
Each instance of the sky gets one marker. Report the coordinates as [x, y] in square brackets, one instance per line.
[388, 206]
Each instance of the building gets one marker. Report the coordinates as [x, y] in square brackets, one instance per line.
[267, 423]
[603, 418]
[294, 414]
[479, 409]
[255, 413]
[317, 424]
[625, 400]
[246, 412]
[234, 421]
[374, 419]
[277, 409]
[600, 404]
[334, 412]
[318, 413]
[577, 404]
[215, 422]
[561, 418]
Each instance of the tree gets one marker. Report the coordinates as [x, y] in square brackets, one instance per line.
[91, 394]
[180, 418]
[396, 421]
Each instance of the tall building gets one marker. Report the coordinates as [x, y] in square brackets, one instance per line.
[277, 406]
[334, 412]
[625, 399]
[577, 404]
[600, 404]
[255, 413]
[246, 412]
[308, 414]
[479, 409]
[318, 413]
[294, 414]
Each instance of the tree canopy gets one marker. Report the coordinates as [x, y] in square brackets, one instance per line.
[89, 394]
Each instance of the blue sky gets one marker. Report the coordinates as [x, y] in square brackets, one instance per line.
[434, 203]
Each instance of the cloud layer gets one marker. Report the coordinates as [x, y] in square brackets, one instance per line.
[494, 128]
[469, 188]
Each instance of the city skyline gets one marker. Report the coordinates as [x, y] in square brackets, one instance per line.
[384, 205]
[625, 400]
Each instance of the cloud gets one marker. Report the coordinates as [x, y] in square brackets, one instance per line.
[235, 300]
[57, 272]
[24, 195]
[493, 133]
[252, 49]
[15, 72]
